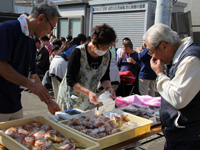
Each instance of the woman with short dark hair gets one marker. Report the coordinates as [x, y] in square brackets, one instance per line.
[88, 64]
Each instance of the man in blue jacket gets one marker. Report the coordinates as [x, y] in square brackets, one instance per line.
[147, 77]
[17, 59]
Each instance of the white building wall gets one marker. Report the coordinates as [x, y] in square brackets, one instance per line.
[66, 11]
[193, 6]
[178, 7]
[7, 6]
[22, 9]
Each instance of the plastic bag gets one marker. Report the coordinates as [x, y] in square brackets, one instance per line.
[129, 125]
[105, 98]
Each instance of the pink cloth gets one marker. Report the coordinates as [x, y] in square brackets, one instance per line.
[137, 99]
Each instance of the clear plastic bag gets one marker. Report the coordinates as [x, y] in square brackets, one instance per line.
[130, 125]
[105, 97]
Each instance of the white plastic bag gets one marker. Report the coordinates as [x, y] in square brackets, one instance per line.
[105, 98]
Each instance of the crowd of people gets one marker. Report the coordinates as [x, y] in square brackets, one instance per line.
[52, 59]
[75, 67]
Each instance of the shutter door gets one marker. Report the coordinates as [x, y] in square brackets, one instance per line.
[125, 24]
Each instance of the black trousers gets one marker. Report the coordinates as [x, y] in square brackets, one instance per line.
[193, 145]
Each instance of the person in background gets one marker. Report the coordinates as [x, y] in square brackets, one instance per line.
[55, 50]
[128, 63]
[129, 66]
[46, 43]
[42, 58]
[120, 50]
[114, 71]
[59, 64]
[47, 79]
[52, 38]
[141, 48]
[68, 38]
[49, 36]
[62, 39]
[79, 40]
[179, 88]
[88, 39]
[88, 64]
[147, 77]
[57, 42]
[17, 59]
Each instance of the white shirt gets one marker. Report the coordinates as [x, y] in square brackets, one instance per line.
[58, 66]
[186, 83]
[114, 71]
[119, 51]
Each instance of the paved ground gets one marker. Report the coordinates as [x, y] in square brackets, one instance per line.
[33, 107]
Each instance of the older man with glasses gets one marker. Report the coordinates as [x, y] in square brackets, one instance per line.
[17, 59]
[179, 88]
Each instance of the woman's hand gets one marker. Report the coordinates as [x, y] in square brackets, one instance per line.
[130, 59]
[93, 98]
[112, 92]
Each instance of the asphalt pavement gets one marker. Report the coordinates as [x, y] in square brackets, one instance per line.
[32, 106]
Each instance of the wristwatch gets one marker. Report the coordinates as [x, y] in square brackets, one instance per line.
[160, 74]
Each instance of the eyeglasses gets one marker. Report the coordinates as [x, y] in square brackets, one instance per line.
[152, 52]
[158, 45]
[49, 22]
[104, 48]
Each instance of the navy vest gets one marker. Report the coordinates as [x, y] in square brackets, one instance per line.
[189, 116]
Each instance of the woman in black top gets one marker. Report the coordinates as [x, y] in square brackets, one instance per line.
[88, 64]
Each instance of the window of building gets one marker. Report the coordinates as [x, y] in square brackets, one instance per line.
[69, 26]
[63, 27]
[75, 27]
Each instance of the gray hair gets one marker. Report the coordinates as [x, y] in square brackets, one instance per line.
[161, 33]
[47, 8]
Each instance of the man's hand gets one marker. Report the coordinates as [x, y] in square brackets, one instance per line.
[39, 90]
[156, 65]
[138, 50]
[53, 107]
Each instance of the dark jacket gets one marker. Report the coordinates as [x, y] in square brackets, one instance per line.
[19, 50]
[42, 60]
[187, 117]
[146, 72]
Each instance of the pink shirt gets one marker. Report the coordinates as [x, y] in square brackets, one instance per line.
[49, 48]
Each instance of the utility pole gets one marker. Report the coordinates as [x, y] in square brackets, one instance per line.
[164, 12]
